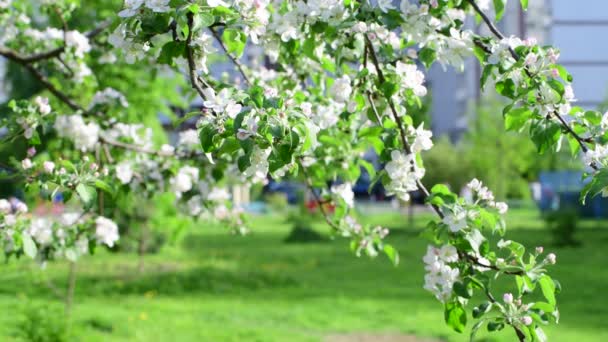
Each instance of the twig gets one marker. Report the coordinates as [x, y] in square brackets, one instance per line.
[13, 55]
[398, 120]
[191, 64]
[126, 146]
[581, 141]
[232, 58]
[47, 84]
[318, 199]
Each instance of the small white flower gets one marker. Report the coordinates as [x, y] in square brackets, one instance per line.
[43, 105]
[106, 231]
[5, 206]
[131, 7]
[158, 6]
[166, 150]
[218, 195]
[215, 3]
[48, 166]
[385, 5]
[344, 191]
[26, 164]
[341, 89]
[457, 221]
[78, 41]
[124, 172]
[422, 139]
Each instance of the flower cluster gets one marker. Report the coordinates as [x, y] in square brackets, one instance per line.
[404, 175]
[440, 277]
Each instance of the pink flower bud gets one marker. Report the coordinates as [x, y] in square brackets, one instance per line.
[31, 151]
[526, 320]
[551, 258]
[507, 298]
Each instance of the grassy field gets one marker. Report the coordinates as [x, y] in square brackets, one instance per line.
[215, 287]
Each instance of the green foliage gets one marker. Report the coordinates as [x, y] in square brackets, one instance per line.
[42, 323]
[563, 225]
[446, 163]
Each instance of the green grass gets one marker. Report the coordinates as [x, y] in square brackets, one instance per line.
[216, 287]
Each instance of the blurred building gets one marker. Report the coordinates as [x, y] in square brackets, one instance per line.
[577, 28]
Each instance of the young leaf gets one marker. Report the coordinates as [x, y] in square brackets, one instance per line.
[29, 247]
[455, 316]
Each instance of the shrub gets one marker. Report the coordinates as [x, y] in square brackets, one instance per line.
[41, 323]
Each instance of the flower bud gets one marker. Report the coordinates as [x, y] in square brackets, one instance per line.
[539, 250]
[507, 298]
[31, 151]
[26, 163]
[48, 166]
[526, 320]
[551, 258]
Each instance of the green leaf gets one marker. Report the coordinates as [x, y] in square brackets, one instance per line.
[524, 4]
[499, 7]
[482, 309]
[427, 56]
[29, 247]
[516, 118]
[235, 41]
[495, 326]
[171, 50]
[547, 286]
[87, 194]
[462, 290]
[392, 254]
[206, 136]
[369, 167]
[545, 135]
[389, 89]
[455, 316]
[206, 19]
[101, 185]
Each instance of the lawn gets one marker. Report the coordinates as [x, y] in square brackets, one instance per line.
[212, 286]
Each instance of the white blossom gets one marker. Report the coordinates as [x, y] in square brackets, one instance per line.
[258, 169]
[41, 230]
[344, 191]
[411, 78]
[5, 206]
[43, 105]
[404, 174]
[26, 164]
[456, 221]
[48, 166]
[341, 89]
[221, 103]
[131, 8]
[106, 231]
[124, 172]
[78, 41]
[185, 178]
[158, 6]
[422, 139]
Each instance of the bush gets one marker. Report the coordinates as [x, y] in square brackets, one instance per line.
[563, 224]
[41, 323]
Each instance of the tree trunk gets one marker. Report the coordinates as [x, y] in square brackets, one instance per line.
[69, 296]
